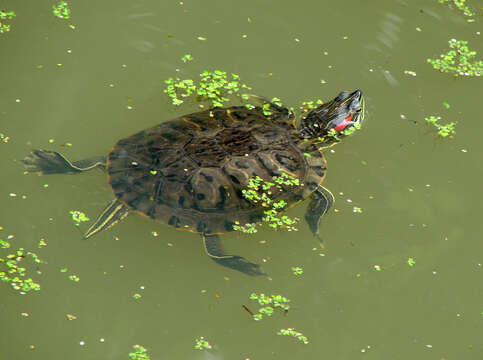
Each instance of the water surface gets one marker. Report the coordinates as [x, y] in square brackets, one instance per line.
[419, 194]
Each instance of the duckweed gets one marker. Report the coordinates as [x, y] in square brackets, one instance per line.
[460, 4]
[139, 353]
[61, 10]
[74, 278]
[78, 217]
[12, 272]
[444, 130]
[293, 333]
[333, 135]
[306, 106]
[269, 304]
[459, 60]
[187, 57]
[4, 138]
[5, 15]
[213, 86]
[266, 107]
[260, 192]
[202, 344]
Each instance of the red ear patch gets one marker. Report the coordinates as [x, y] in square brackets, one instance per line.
[344, 123]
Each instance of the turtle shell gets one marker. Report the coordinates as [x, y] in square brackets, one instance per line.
[190, 171]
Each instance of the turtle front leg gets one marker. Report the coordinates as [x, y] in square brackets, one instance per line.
[215, 251]
[52, 162]
[320, 202]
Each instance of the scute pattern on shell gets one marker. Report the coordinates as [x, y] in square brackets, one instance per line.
[190, 171]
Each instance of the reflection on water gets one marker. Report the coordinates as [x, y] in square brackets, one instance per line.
[390, 29]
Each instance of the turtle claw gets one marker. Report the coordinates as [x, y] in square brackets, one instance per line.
[47, 162]
[241, 264]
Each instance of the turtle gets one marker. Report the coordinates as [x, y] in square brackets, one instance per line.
[190, 172]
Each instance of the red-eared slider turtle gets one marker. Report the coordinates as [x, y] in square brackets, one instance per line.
[190, 172]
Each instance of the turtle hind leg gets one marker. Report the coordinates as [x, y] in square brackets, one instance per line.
[320, 202]
[52, 162]
[215, 251]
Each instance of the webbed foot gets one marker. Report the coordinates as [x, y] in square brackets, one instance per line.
[321, 201]
[52, 162]
[240, 264]
[47, 162]
[215, 251]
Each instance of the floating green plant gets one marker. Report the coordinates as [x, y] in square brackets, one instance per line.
[176, 88]
[306, 106]
[249, 228]
[460, 4]
[297, 270]
[357, 210]
[186, 58]
[293, 333]
[269, 304]
[78, 217]
[266, 108]
[74, 278]
[70, 317]
[139, 353]
[4, 244]
[333, 135]
[213, 86]
[5, 15]
[444, 130]
[260, 192]
[351, 129]
[12, 271]
[411, 262]
[202, 344]
[458, 60]
[61, 10]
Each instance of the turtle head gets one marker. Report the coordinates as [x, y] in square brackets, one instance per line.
[335, 119]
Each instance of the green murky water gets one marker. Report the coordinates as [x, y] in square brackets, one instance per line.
[420, 195]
